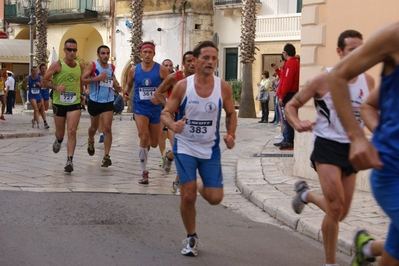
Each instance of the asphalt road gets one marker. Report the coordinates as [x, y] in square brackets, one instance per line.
[120, 229]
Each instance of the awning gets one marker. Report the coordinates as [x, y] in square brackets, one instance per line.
[14, 51]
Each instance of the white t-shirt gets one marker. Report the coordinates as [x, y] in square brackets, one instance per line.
[10, 82]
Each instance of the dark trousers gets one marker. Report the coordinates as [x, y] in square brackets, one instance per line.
[10, 101]
[288, 132]
[265, 111]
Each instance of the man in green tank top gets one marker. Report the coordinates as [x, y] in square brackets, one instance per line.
[67, 98]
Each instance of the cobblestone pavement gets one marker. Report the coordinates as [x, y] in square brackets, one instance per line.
[28, 164]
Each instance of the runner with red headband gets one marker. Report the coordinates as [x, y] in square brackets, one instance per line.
[146, 77]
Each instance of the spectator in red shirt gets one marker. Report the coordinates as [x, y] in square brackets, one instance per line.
[288, 86]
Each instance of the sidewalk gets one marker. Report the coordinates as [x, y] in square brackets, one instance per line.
[261, 175]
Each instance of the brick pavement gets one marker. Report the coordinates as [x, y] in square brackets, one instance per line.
[28, 164]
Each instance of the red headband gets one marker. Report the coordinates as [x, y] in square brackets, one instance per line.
[147, 45]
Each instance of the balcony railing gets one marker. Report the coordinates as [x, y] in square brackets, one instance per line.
[15, 12]
[230, 2]
[280, 27]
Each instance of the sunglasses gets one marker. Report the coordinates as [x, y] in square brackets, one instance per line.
[71, 50]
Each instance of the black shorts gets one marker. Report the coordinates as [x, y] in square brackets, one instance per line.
[96, 108]
[62, 110]
[331, 152]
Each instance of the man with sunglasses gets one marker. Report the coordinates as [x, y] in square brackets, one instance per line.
[100, 76]
[67, 98]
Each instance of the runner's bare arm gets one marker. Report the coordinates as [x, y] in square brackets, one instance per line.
[231, 115]
[173, 103]
[47, 78]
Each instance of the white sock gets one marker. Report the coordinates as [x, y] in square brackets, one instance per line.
[366, 249]
[143, 155]
[303, 198]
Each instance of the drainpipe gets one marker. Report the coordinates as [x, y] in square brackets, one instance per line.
[183, 2]
[112, 10]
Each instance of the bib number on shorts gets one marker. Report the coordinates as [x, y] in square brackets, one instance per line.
[146, 93]
[68, 97]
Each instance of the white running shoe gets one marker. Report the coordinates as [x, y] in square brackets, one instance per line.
[279, 136]
[176, 188]
[190, 246]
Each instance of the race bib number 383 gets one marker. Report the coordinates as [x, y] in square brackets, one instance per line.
[199, 129]
[146, 93]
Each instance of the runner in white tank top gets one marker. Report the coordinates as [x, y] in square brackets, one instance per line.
[331, 147]
[200, 99]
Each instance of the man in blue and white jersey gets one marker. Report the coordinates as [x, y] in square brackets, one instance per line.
[200, 99]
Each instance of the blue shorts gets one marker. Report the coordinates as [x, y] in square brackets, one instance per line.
[37, 97]
[45, 94]
[385, 187]
[153, 115]
[210, 170]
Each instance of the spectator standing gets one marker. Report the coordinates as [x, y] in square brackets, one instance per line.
[10, 91]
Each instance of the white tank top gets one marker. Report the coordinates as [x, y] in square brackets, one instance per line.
[200, 137]
[328, 125]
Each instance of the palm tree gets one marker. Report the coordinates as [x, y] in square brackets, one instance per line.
[41, 34]
[247, 46]
[137, 11]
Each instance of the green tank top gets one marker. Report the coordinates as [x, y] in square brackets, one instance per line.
[1, 86]
[70, 77]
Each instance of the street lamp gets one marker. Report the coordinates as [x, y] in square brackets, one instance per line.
[29, 6]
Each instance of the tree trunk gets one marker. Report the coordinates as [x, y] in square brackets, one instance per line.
[247, 104]
[247, 45]
[41, 14]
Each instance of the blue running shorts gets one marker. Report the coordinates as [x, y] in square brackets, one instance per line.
[385, 187]
[153, 115]
[210, 170]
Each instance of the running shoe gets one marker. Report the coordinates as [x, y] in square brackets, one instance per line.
[167, 163]
[2, 117]
[68, 167]
[144, 178]
[279, 136]
[176, 188]
[90, 147]
[56, 146]
[297, 203]
[38, 126]
[101, 140]
[46, 126]
[161, 162]
[106, 161]
[361, 239]
[190, 246]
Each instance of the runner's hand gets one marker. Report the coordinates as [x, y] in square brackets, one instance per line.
[178, 126]
[230, 141]
[363, 155]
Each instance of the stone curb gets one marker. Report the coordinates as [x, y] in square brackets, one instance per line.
[21, 135]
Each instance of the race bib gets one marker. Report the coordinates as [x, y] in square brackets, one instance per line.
[146, 93]
[199, 129]
[68, 97]
[35, 90]
[106, 83]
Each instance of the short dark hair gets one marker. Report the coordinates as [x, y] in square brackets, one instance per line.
[348, 34]
[204, 44]
[290, 49]
[166, 60]
[185, 54]
[70, 40]
[265, 73]
[100, 47]
[33, 67]
[42, 64]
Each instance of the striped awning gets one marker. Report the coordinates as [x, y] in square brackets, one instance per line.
[14, 51]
